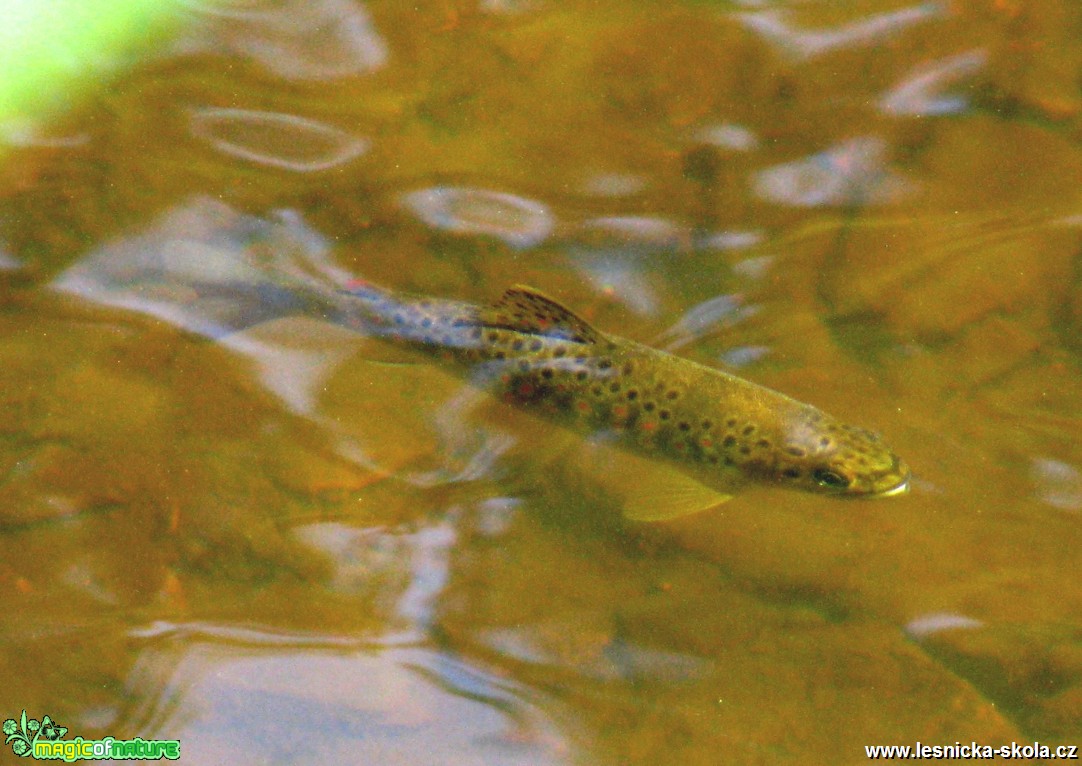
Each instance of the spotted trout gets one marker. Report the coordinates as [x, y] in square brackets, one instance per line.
[712, 432]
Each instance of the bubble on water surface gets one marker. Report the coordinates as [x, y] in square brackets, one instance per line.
[276, 139]
[853, 171]
[518, 221]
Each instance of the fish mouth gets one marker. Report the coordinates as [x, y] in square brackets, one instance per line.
[901, 486]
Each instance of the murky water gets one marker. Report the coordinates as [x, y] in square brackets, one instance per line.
[286, 545]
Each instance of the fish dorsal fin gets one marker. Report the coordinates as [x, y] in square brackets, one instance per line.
[646, 489]
[526, 310]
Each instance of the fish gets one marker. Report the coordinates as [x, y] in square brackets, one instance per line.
[695, 436]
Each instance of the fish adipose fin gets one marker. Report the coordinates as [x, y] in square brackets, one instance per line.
[526, 310]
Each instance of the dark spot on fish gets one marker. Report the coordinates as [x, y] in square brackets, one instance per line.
[493, 337]
[745, 450]
[707, 425]
[628, 368]
[475, 333]
[728, 460]
[614, 387]
[596, 391]
[748, 430]
[731, 422]
[497, 354]
[604, 364]
[523, 365]
[517, 345]
[649, 406]
[580, 360]
[684, 425]
[728, 441]
[581, 375]
[672, 394]
[632, 395]
[399, 319]
[560, 352]
[546, 373]
[663, 414]
[796, 451]
[712, 459]
[765, 444]
[535, 345]
[791, 473]
[825, 442]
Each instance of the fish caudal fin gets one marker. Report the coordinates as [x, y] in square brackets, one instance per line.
[526, 310]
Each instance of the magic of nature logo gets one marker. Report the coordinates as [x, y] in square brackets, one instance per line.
[44, 739]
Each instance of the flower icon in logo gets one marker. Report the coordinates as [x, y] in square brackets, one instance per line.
[22, 734]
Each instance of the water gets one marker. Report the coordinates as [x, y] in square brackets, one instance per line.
[289, 545]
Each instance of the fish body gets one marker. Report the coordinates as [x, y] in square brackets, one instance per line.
[717, 431]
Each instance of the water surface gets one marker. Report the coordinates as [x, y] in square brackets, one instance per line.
[287, 545]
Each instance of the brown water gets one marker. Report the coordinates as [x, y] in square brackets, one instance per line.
[225, 538]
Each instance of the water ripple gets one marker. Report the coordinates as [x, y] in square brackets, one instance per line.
[806, 43]
[921, 92]
[276, 139]
[300, 39]
[518, 221]
[853, 171]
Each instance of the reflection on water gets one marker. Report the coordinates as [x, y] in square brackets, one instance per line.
[279, 541]
[277, 140]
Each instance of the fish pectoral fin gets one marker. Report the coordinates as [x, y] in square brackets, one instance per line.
[527, 310]
[675, 496]
[646, 489]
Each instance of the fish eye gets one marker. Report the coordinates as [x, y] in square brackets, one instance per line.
[828, 478]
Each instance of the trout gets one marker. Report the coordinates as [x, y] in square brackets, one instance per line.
[713, 433]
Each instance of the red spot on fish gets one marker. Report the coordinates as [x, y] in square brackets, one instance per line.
[505, 378]
[707, 442]
[582, 405]
[357, 283]
[648, 425]
[680, 446]
[619, 411]
[526, 389]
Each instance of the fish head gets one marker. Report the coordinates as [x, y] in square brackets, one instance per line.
[826, 457]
